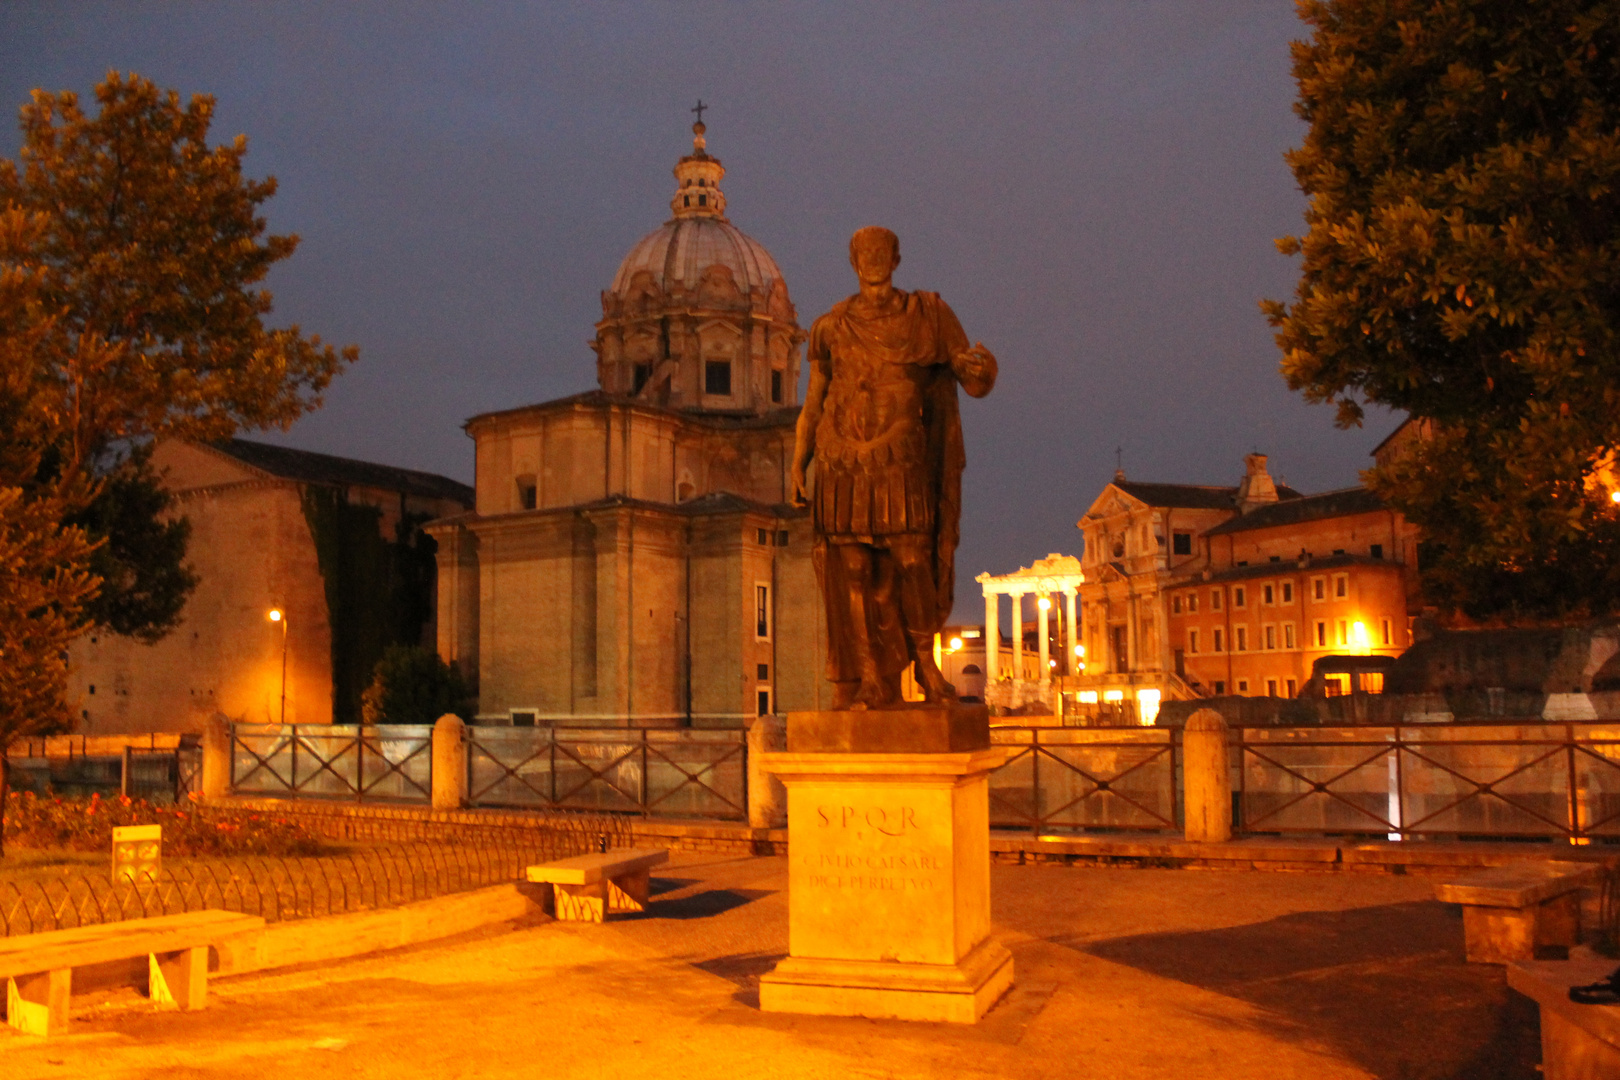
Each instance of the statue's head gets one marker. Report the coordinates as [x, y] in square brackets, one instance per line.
[874, 252]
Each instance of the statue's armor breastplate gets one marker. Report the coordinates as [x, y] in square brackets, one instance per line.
[872, 476]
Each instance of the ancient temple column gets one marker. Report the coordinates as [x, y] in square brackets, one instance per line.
[992, 638]
[1074, 629]
[1018, 636]
[1044, 606]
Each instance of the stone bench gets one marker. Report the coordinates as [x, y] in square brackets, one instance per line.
[38, 968]
[587, 887]
[1508, 911]
[1578, 1042]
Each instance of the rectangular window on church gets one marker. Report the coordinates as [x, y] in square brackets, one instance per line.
[643, 373]
[776, 387]
[717, 378]
[762, 611]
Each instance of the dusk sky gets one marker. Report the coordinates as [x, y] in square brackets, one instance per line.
[1094, 187]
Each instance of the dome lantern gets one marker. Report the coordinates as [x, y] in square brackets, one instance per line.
[697, 181]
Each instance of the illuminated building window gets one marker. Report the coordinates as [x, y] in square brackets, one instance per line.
[1113, 695]
[1271, 636]
[1271, 688]
[1288, 636]
[1147, 706]
[1386, 632]
[1240, 597]
[1293, 688]
[1268, 594]
[1215, 600]
[1344, 631]
[1088, 697]
[1288, 592]
[1321, 634]
[1318, 588]
[1243, 686]
[1241, 639]
[1219, 644]
[1192, 641]
[1341, 586]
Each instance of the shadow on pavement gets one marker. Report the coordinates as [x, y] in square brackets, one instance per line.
[702, 905]
[658, 886]
[1372, 983]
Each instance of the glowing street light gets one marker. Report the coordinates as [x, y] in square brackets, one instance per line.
[1045, 603]
[956, 643]
[279, 616]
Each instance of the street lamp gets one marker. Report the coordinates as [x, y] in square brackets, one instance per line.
[278, 616]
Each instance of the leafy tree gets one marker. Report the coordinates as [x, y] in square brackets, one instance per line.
[411, 685]
[130, 257]
[1462, 263]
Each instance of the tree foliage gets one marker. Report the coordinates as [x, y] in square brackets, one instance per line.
[1462, 264]
[411, 685]
[131, 254]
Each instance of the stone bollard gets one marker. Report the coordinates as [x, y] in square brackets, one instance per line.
[449, 762]
[216, 757]
[1207, 778]
[767, 798]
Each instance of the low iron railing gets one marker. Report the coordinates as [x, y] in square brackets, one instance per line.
[1077, 779]
[1559, 781]
[676, 772]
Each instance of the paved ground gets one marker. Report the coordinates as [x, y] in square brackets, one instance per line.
[1122, 974]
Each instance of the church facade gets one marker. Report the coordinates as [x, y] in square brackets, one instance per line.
[633, 556]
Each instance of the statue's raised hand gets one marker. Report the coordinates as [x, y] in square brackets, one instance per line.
[975, 369]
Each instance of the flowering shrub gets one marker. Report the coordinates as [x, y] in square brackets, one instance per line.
[32, 821]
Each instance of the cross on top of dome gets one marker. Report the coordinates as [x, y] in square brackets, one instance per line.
[697, 192]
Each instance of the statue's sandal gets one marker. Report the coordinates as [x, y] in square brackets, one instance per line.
[1603, 992]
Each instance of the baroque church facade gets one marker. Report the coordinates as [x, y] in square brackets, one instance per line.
[633, 556]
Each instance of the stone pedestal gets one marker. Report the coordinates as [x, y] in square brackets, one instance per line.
[889, 867]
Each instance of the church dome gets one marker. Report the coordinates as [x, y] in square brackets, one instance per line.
[698, 316]
[680, 252]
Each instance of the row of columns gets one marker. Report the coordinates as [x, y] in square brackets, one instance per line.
[992, 632]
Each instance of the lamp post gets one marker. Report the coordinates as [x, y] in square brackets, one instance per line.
[279, 616]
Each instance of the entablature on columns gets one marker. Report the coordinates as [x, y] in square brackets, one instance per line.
[1056, 573]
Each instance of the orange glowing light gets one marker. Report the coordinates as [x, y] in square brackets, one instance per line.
[275, 614]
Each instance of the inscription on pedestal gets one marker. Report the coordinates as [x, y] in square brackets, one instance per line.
[858, 868]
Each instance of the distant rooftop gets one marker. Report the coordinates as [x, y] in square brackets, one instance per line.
[311, 468]
[1356, 500]
[1191, 496]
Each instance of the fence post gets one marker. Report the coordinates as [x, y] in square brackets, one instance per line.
[126, 782]
[1206, 777]
[449, 763]
[216, 757]
[767, 798]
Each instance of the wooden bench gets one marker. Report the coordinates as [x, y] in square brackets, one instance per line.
[587, 887]
[1578, 1042]
[1508, 911]
[38, 968]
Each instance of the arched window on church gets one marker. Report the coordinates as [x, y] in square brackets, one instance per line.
[972, 669]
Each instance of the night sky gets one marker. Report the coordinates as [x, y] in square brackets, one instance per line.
[1094, 187]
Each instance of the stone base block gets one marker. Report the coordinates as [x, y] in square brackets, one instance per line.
[914, 728]
[951, 993]
[1496, 935]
